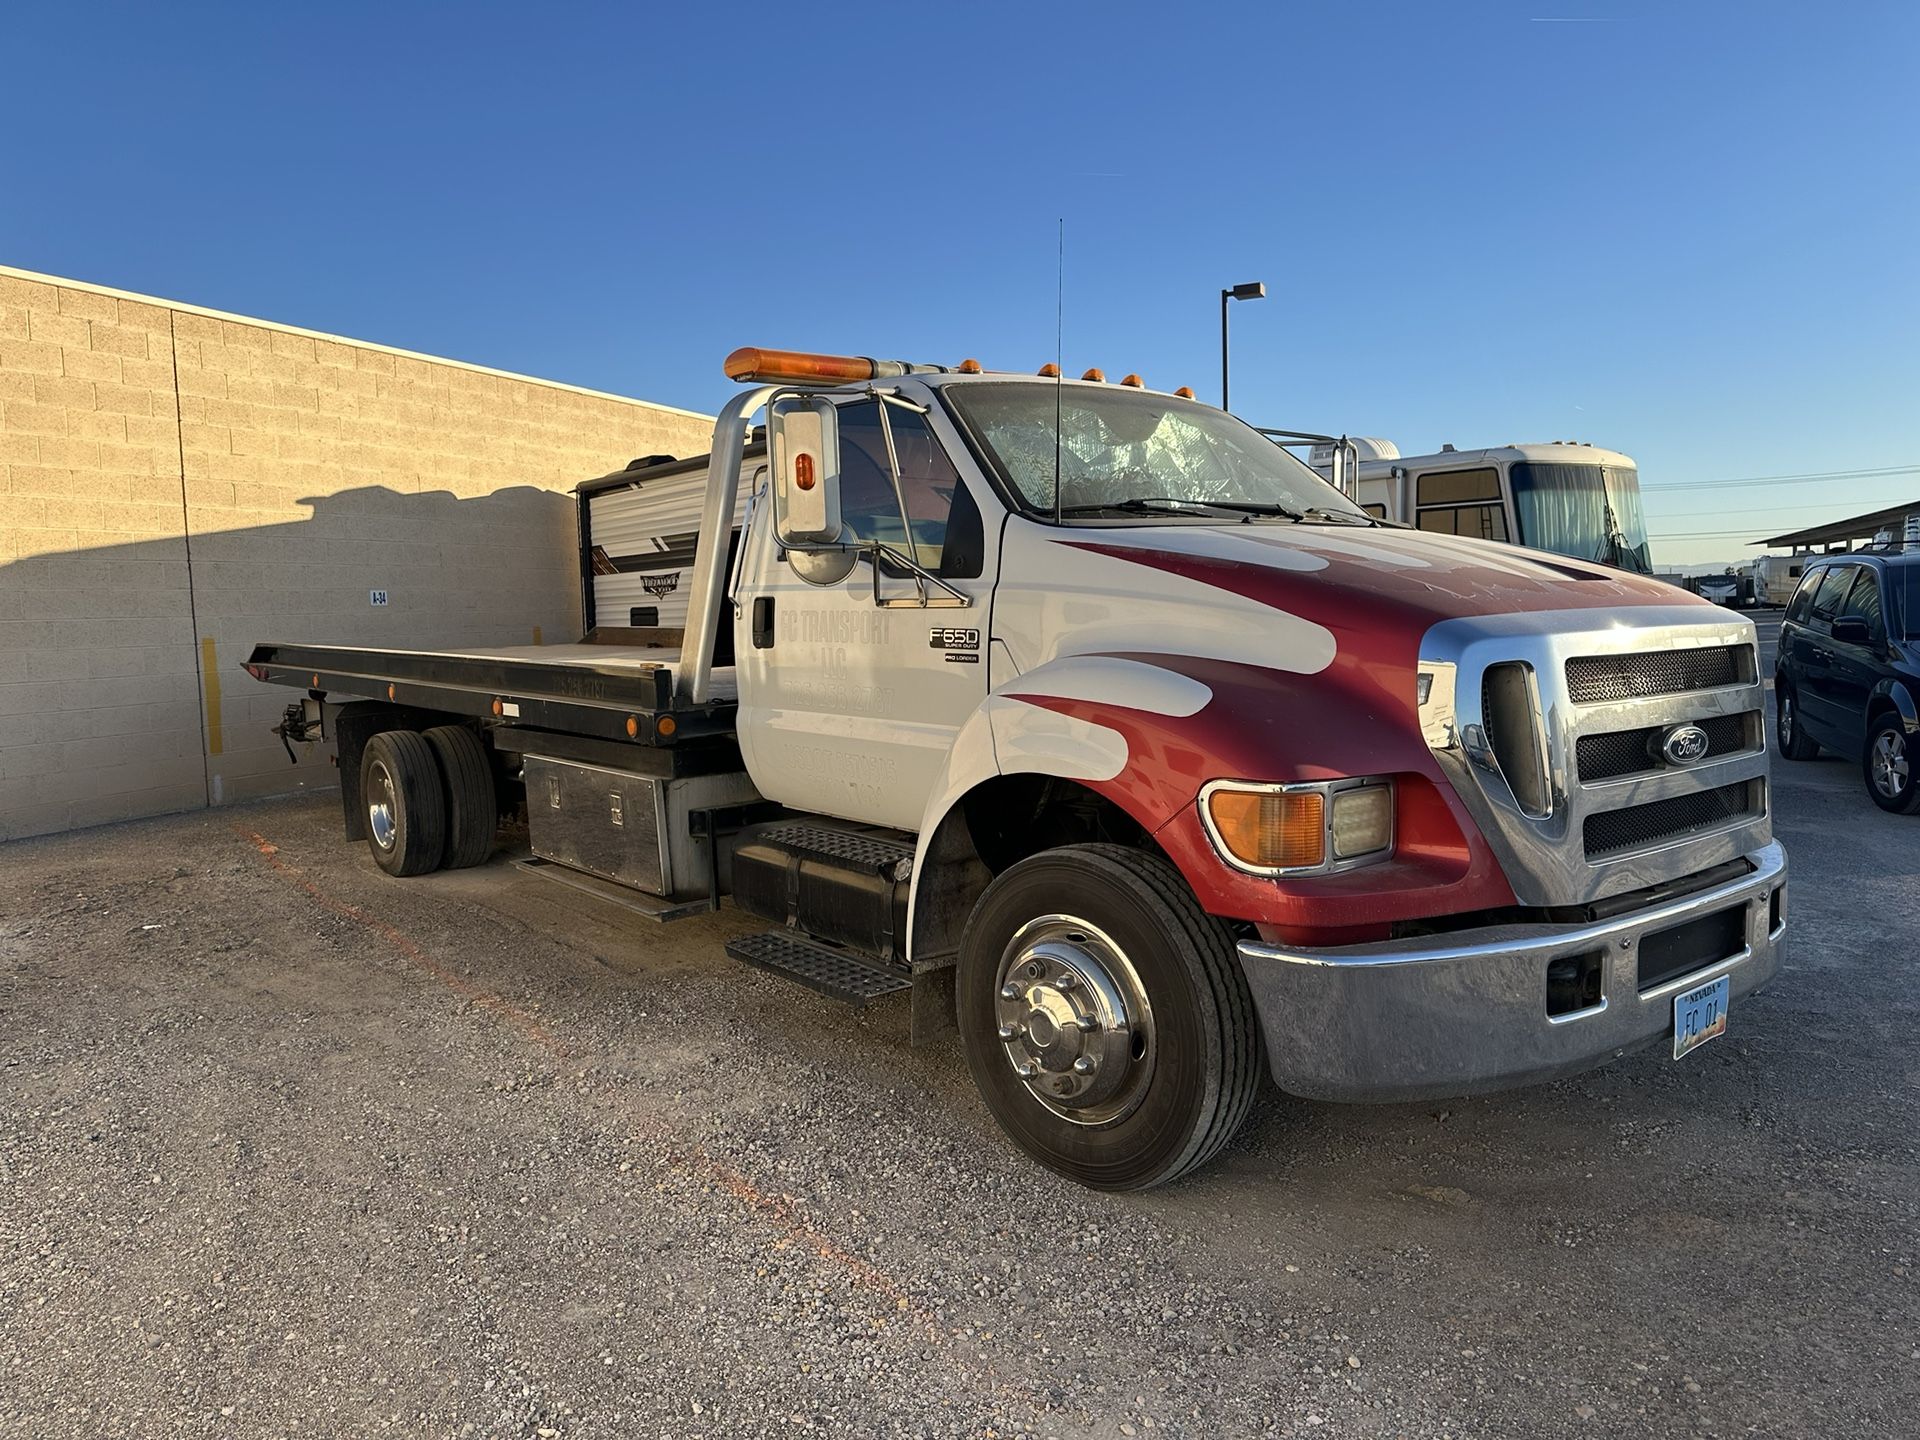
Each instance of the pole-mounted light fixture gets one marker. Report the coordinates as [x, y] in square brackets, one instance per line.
[1252, 290]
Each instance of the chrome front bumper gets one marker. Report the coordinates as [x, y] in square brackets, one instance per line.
[1467, 1012]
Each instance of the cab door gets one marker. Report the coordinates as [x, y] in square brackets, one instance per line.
[848, 704]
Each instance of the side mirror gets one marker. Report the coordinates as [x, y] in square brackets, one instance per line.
[1850, 630]
[803, 439]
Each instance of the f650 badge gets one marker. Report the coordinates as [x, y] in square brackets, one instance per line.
[962, 646]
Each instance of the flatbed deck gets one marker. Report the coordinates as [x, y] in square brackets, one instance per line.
[618, 692]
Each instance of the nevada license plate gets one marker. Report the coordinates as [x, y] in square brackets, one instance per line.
[1700, 1015]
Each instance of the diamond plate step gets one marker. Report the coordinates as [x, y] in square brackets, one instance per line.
[878, 852]
[839, 973]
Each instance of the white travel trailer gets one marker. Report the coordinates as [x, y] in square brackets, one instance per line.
[1571, 498]
[1775, 578]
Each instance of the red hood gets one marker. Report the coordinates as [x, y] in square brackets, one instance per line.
[1401, 578]
[1287, 705]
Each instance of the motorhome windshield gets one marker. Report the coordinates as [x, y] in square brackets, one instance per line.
[1129, 450]
[1591, 512]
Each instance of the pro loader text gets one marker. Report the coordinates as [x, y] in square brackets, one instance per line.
[1121, 739]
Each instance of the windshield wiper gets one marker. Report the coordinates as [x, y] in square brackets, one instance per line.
[1144, 505]
[1342, 517]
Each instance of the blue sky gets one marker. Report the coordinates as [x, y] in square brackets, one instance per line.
[1690, 231]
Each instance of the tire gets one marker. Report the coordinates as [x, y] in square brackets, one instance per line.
[1891, 765]
[1794, 743]
[1161, 1097]
[473, 810]
[406, 807]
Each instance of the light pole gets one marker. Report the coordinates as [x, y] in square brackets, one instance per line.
[1252, 290]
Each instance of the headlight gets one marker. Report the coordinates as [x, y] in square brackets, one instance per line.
[1299, 829]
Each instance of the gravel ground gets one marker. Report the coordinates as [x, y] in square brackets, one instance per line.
[290, 1148]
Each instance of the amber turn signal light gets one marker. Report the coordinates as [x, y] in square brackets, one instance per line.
[1273, 830]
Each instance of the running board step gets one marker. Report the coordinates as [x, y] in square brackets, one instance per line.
[838, 973]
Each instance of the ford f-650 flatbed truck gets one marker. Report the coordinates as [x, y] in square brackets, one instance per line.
[1118, 737]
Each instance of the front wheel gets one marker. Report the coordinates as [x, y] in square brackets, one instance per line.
[1105, 1017]
[1893, 766]
[1794, 743]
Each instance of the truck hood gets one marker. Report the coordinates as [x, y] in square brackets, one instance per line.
[1161, 657]
[1411, 577]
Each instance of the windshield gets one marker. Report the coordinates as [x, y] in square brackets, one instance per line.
[1134, 450]
[1591, 512]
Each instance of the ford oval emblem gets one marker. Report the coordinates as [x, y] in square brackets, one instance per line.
[1685, 744]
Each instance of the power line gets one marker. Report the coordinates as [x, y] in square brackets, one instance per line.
[1880, 472]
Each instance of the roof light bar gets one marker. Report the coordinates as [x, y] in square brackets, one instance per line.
[800, 367]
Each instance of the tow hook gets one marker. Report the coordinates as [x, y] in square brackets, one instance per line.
[303, 720]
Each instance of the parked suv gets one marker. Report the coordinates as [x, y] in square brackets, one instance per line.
[1849, 670]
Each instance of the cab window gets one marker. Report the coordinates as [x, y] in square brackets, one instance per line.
[937, 502]
[1445, 503]
[1864, 600]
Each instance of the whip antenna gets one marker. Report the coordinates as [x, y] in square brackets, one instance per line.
[1059, 352]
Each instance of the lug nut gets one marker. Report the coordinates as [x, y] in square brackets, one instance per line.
[1009, 991]
[1065, 982]
[1026, 1069]
[1012, 1032]
[1083, 1066]
[1088, 1024]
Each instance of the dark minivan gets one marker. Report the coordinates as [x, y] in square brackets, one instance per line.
[1849, 670]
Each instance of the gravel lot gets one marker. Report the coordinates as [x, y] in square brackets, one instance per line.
[290, 1148]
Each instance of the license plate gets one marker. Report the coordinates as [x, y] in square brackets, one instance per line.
[1700, 1015]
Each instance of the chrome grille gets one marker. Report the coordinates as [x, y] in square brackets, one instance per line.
[1617, 816]
[1610, 832]
[1636, 752]
[1595, 678]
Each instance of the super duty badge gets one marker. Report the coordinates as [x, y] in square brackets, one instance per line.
[962, 646]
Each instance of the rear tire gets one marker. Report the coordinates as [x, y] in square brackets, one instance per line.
[406, 808]
[1892, 765]
[473, 812]
[1794, 743]
[1105, 1017]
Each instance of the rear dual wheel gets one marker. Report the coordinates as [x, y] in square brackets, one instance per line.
[429, 799]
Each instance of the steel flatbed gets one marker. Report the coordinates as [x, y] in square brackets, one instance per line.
[624, 693]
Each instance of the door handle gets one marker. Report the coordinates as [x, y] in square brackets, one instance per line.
[763, 622]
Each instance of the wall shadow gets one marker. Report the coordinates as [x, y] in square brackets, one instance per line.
[121, 687]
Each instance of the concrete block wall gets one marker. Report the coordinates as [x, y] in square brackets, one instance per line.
[177, 484]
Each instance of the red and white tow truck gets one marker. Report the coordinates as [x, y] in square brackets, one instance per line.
[1120, 739]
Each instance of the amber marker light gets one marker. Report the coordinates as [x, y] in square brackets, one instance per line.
[1050, 370]
[803, 471]
[1185, 392]
[1133, 380]
[389, 692]
[498, 708]
[665, 726]
[1272, 830]
[970, 367]
[750, 362]
[1096, 373]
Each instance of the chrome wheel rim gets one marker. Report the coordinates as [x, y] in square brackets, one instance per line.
[380, 805]
[1889, 762]
[1074, 1020]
